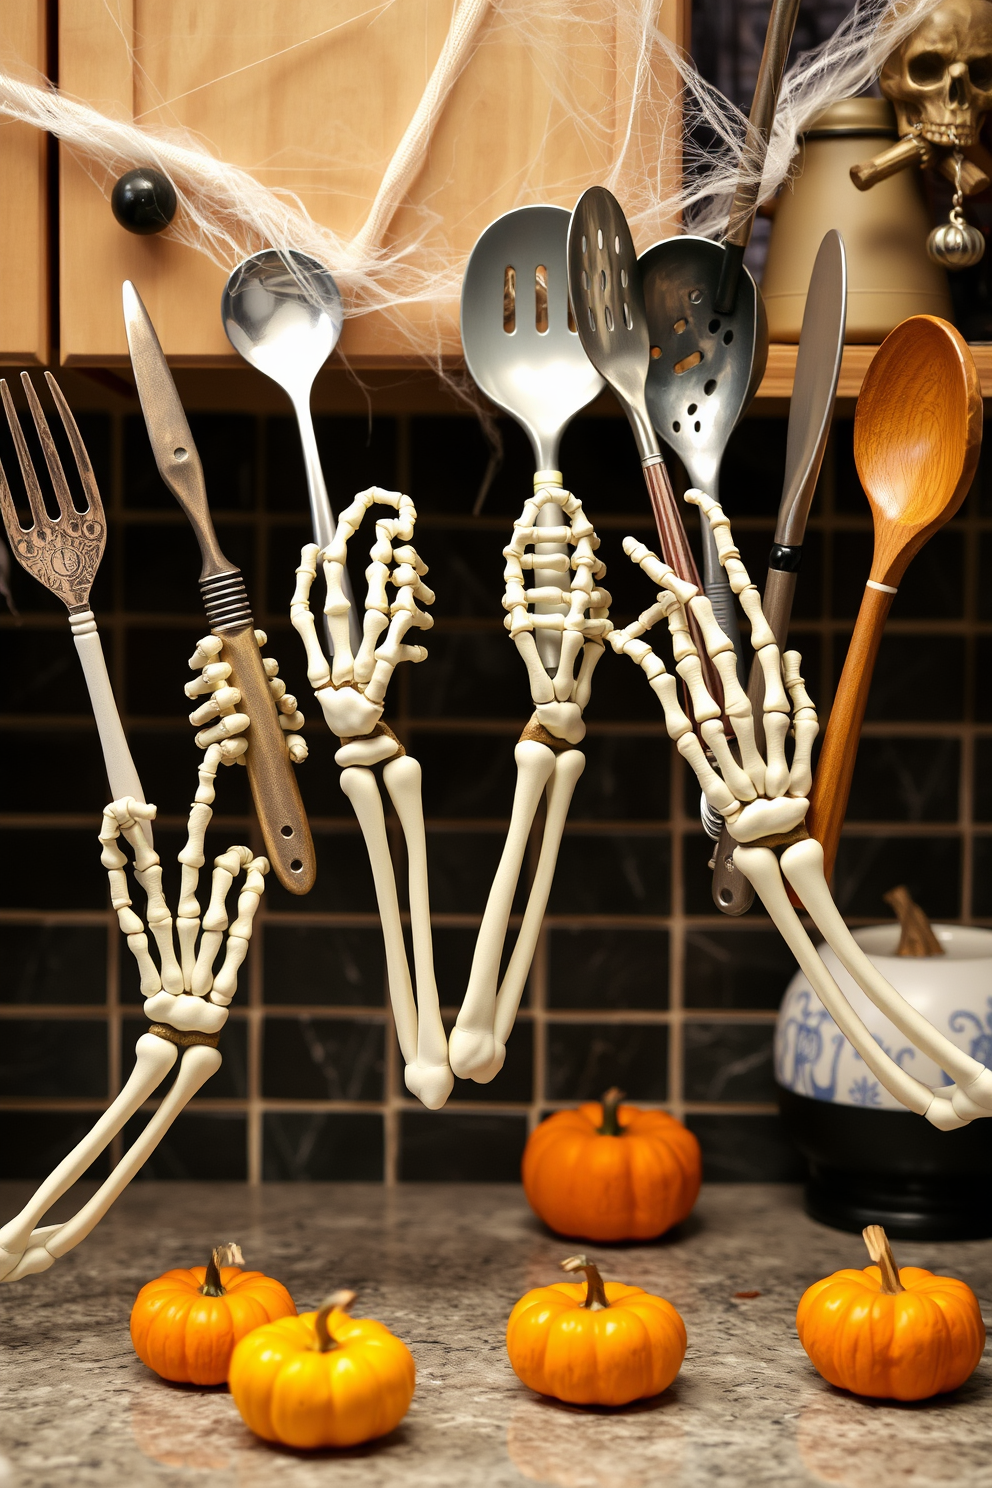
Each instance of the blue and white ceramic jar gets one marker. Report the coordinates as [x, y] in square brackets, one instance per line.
[871, 1161]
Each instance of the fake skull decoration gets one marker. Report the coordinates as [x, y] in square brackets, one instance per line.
[940, 79]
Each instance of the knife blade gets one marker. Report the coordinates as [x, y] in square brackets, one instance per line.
[814, 389]
[281, 815]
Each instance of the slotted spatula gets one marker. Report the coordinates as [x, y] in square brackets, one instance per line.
[521, 349]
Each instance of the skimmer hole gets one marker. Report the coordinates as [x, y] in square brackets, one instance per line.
[728, 336]
[710, 386]
[655, 353]
[687, 363]
[509, 300]
[691, 409]
[696, 426]
[541, 299]
[628, 319]
[713, 327]
[679, 326]
[677, 427]
[608, 315]
[695, 295]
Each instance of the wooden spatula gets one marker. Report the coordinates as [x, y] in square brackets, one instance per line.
[917, 436]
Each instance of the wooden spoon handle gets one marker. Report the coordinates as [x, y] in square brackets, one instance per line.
[835, 771]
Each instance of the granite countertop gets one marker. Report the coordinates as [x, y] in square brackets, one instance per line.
[441, 1265]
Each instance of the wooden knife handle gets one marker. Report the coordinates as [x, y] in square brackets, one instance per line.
[835, 770]
[281, 815]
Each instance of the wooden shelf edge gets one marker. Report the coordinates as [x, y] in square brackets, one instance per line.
[779, 373]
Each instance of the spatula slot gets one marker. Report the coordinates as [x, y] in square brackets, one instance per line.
[627, 317]
[679, 326]
[608, 316]
[541, 299]
[509, 299]
[688, 362]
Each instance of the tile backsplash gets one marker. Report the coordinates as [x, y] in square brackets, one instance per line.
[637, 981]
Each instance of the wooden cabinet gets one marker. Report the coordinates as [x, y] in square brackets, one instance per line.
[314, 100]
[24, 249]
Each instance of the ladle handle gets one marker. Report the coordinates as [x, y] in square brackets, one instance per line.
[778, 39]
[322, 517]
[835, 771]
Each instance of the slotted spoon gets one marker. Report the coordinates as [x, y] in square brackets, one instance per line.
[521, 349]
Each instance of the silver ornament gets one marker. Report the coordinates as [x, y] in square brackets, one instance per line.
[956, 244]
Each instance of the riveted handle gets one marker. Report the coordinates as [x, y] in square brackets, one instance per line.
[281, 815]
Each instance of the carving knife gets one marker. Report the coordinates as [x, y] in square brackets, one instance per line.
[818, 362]
[285, 829]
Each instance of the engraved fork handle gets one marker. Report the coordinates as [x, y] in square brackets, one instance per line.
[122, 773]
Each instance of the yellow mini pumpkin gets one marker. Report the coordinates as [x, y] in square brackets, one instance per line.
[611, 1172]
[322, 1379]
[599, 1344]
[895, 1334]
[184, 1325]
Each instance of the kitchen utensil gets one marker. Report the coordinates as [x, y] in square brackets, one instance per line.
[884, 230]
[778, 39]
[818, 362]
[704, 370]
[285, 829]
[605, 287]
[521, 350]
[917, 437]
[63, 553]
[285, 321]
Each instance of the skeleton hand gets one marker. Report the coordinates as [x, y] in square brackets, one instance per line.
[352, 696]
[546, 756]
[186, 1000]
[764, 801]
[223, 701]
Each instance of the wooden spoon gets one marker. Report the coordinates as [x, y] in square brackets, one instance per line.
[917, 436]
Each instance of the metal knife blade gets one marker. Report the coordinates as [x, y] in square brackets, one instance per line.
[285, 829]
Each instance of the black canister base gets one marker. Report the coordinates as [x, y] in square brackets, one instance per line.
[893, 1169]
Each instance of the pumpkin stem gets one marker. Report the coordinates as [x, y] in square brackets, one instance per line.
[917, 937]
[222, 1255]
[337, 1301]
[880, 1251]
[595, 1290]
[611, 1126]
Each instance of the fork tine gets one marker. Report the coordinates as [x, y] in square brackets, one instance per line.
[86, 474]
[8, 511]
[35, 499]
[61, 486]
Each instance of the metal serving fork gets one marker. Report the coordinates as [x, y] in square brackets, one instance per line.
[63, 553]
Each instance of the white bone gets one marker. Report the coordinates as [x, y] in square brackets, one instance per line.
[366, 751]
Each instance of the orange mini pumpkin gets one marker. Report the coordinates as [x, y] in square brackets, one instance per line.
[895, 1334]
[599, 1344]
[611, 1172]
[184, 1324]
[322, 1379]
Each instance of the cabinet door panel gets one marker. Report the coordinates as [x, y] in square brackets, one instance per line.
[311, 99]
[24, 267]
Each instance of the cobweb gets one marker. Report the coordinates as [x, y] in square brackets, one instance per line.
[227, 213]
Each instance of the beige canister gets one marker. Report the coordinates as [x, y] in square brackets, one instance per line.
[885, 230]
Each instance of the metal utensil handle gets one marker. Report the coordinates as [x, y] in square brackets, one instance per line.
[732, 894]
[322, 517]
[281, 816]
[720, 594]
[122, 774]
[778, 39]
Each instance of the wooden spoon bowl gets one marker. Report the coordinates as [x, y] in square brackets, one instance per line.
[917, 437]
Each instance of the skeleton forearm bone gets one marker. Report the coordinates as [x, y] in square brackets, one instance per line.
[764, 802]
[186, 1000]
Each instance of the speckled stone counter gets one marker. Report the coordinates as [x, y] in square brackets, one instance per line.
[441, 1266]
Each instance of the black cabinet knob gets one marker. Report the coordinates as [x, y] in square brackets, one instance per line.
[143, 200]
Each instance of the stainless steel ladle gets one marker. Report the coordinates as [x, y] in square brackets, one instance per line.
[285, 319]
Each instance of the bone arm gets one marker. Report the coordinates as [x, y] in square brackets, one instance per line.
[760, 867]
[802, 865]
[359, 785]
[198, 1064]
[429, 1077]
[472, 1049]
[568, 769]
[154, 1058]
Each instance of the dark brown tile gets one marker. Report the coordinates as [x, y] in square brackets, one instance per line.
[324, 964]
[728, 1061]
[32, 1144]
[746, 1149]
[730, 968]
[612, 873]
[53, 964]
[607, 968]
[867, 867]
[460, 1147]
[906, 779]
[312, 1147]
[308, 1058]
[584, 1059]
[210, 1146]
[52, 1057]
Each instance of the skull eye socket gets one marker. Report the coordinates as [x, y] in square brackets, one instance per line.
[926, 68]
[980, 72]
